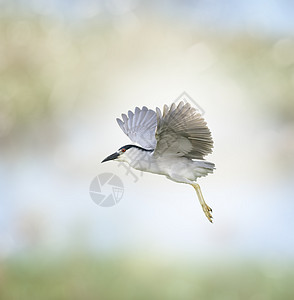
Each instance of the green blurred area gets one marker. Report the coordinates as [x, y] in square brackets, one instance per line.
[88, 277]
[49, 69]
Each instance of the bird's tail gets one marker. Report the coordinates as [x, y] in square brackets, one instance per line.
[203, 167]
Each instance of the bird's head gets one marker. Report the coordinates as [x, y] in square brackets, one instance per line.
[121, 154]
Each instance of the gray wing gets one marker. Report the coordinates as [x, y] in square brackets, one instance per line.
[181, 131]
[140, 126]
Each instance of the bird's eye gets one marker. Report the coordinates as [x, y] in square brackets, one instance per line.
[123, 150]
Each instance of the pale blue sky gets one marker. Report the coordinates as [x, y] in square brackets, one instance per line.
[266, 16]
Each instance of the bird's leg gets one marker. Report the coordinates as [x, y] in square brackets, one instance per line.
[207, 210]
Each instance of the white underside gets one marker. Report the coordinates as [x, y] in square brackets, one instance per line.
[179, 169]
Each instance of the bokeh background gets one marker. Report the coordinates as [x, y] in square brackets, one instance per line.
[67, 70]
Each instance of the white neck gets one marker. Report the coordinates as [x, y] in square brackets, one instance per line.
[137, 158]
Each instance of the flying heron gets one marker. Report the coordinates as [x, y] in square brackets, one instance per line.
[171, 143]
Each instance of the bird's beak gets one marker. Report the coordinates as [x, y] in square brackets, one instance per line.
[111, 157]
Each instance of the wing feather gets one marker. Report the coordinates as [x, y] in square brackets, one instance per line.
[182, 131]
[140, 126]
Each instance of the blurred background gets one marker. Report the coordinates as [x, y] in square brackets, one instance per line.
[67, 70]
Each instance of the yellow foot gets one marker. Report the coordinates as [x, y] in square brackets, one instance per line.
[207, 210]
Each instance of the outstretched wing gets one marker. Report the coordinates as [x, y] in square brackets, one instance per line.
[140, 126]
[181, 131]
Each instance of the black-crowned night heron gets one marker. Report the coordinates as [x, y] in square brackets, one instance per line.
[172, 143]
